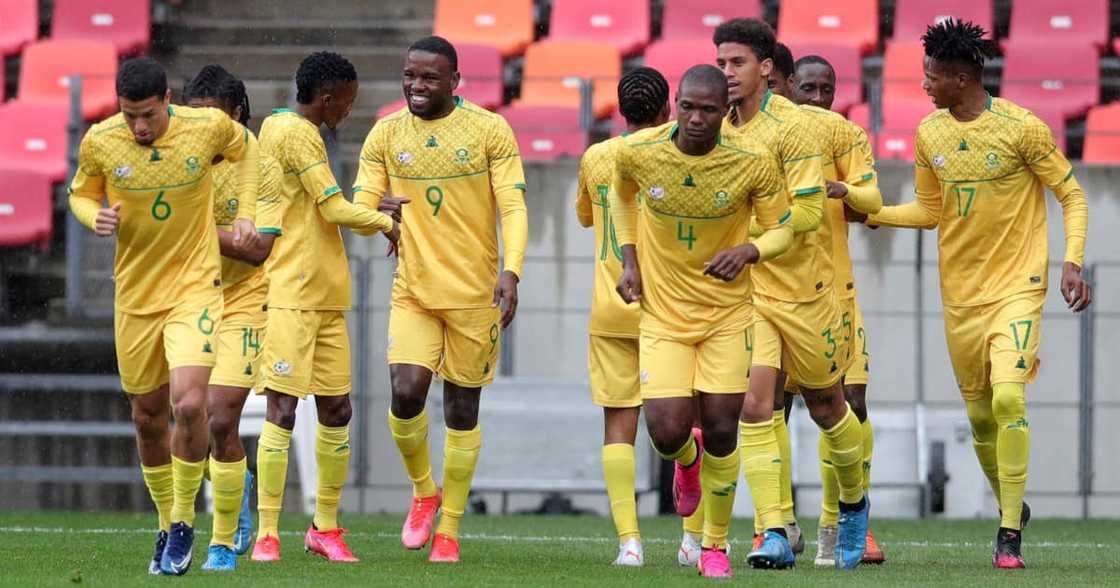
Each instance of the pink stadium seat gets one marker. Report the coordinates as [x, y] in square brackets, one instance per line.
[673, 58]
[505, 24]
[900, 123]
[554, 70]
[47, 65]
[1061, 76]
[911, 17]
[861, 115]
[849, 69]
[854, 23]
[19, 25]
[34, 138]
[698, 19]
[1082, 22]
[1102, 135]
[903, 72]
[480, 70]
[622, 23]
[127, 24]
[546, 132]
[25, 208]
[389, 108]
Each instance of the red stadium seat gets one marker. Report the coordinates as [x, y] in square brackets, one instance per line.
[47, 65]
[1083, 22]
[860, 114]
[852, 22]
[911, 17]
[849, 69]
[389, 108]
[480, 70]
[19, 25]
[546, 132]
[1102, 135]
[622, 23]
[673, 58]
[34, 138]
[127, 24]
[26, 211]
[1045, 75]
[900, 123]
[698, 19]
[505, 24]
[903, 72]
[554, 69]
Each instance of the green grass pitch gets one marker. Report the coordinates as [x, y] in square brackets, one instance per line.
[68, 549]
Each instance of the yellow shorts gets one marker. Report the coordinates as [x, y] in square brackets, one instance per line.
[851, 318]
[804, 339]
[674, 366]
[461, 345]
[241, 335]
[308, 352]
[150, 345]
[612, 368]
[995, 343]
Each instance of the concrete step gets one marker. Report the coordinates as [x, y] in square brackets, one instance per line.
[207, 30]
[278, 62]
[342, 10]
[264, 95]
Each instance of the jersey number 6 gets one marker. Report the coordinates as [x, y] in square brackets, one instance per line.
[161, 210]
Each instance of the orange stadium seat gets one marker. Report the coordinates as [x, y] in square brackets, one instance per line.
[553, 71]
[622, 23]
[1102, 135]
[34, 138]
[1075, 21]
[903, 72]
[47, 65]
[1060, 76]
[673, 58]
[851, 22]
[505, 24]
[26, 210]
[127, 24]
[911, 17]
[19, 25]
[546, 132]
[698, 19]
[845, 60]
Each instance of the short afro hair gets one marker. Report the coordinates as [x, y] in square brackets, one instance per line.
[438, 46]
[141, 78]
[705, 75]
[958, 42]
[752, 32]
[320, 70]
[642, 94]
[814, 60]
[783, 60]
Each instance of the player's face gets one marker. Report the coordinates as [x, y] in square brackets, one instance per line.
[745, 73]
[700, 112]
[429, 84]
[779, 84]
[147, 119]
[814, 84]
[942, 85]
[337, 104]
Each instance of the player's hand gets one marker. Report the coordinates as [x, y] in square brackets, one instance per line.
[854, 216]
[836, 189]
[105, 225]
[630, 285]
[394, 237]
[245, 236]
[1077, 292]
[506, 295]
[729, 263]
[392, 206]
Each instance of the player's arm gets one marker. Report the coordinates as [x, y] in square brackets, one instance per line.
[507, 182]
[269, 220]
[236, 144]
[372, 183]
[623, 197]
[583, 196]
[859, 185]
[924, 212]
[87, 190]
[801, 159]
[771, 218]
[306, 156]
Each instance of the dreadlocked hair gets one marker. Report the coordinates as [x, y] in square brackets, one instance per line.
[319, 70]
[960, 42]
[642, 94]
[213, 81]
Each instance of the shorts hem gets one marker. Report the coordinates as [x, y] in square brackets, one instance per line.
[230, 382]
[724, 389]
[815, 386]
[465, 383]
[193, 362]
[666, 393]
[266, 385]
[341, 391]
[856, 381]
[412, 361]
[143, 391]
[617, 403]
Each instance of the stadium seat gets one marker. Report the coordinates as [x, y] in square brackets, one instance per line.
[900, 123]
[480, 70]
[1102, 135]
[26, 210]
[127, 24]
[622, 23]
[505, 24]
[1082, 22]
[19, 25]
[852, 22]
[546, 132]
[34, 138]
[1044, 75]
[860, 114]
[849, 69]
[903, 72]
[697, 19]
[673, 58]
[911, 17]
[553, 71]
[47, 65]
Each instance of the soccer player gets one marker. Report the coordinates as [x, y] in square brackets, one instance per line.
[798, 325]
[241, 332]
[153, 161]
[612, 351]
[685, 255]
[308, 350]
[980, 166]
[460, 167]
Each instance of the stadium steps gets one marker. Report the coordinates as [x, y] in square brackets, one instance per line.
[315, 32]
[340, 11]
[278, 61]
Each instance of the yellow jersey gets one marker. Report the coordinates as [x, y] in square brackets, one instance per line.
[805, 273]
[269, 215]
[980, 183]
[610, 316]
[167, 240]
[691, 208]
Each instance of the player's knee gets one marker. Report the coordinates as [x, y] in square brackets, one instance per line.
[148, 423]
[189, 408]
[1008, 403]
[223, 425]
[668, 435]
[756, 409]
[856, 395]
[826, 407]
[334, 412]
[281, 411]
[409, 396]
[721, 436]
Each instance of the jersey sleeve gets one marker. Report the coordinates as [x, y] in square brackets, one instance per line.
[1038, 150]
[306, 156]
[507, 181]
[87, 189]
[801, 160]
[858, 166]
[271, 203]
[923, 212]
[771, 210]
[239, 146]
[623, 197]
[373, 174]
[583, 194]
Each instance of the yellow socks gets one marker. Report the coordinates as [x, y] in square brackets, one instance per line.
[686, 455]
[332, 456]
[718, 478]
[187, 479]
[868, 450]
[984, 432]
[694, 523]
[781, 430]
[845, 450]
[411, 436]
[1013, 449]
[762, 467]
[618, 472]
[229, 484]
[272, 475]
[159, 481]
[830, 486]
[460, 454]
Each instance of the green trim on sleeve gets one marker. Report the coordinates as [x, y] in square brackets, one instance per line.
[269, 231]
[524, 188]
[867, 176]
[1068, 176]
[785, 218]
[331, 191]
[806, 191]
[299, 172]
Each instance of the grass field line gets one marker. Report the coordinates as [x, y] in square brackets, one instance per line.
[555, 539]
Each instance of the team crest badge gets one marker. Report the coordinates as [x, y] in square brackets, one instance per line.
[462, 156]
[939, 161]
[231, 205]
[992, 160]
[192, 164]
[722, 199]
[282, 368]
[656, 192]
[404, 158]
[123, 172]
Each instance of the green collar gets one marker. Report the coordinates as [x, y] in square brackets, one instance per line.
[765, 101]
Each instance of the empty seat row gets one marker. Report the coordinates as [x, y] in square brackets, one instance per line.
[127, 24]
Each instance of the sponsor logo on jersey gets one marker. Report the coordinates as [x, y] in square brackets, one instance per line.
[282, 368]
[192, 164]
[992, 160]
[404, 158]
[123, 172]
[722, 199]
[231, 205]
[939, 161]
[463, 156]
[656, 192]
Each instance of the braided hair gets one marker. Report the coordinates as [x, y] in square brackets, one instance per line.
[213, 81]
[319, 70]
[959, 42]
[642, 95]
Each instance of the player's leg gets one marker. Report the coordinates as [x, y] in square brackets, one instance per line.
[855, 392]
[830, 504]
[692, 526]
[782, 391]
[667, 366]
